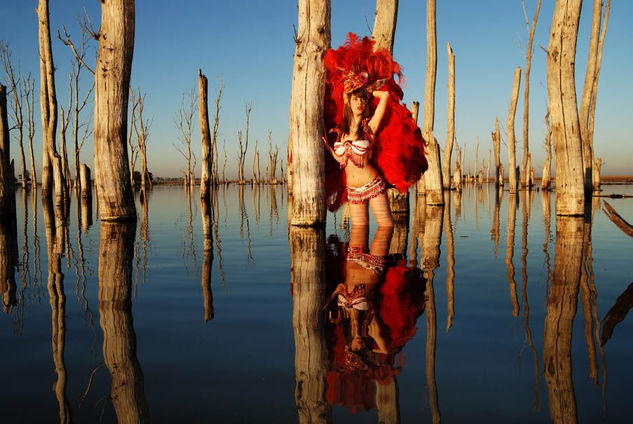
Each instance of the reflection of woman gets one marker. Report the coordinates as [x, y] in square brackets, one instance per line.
[372, 314]
[373, 140]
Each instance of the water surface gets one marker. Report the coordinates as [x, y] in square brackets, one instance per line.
[116, 322]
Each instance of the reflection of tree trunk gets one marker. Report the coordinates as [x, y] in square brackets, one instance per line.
[387, 401]
[494, 231]
[450, 260]
[307, 252]
[561, 309]
[547, 219]
[586, 300]
[400, 232]
[429, 261]
[116, 248]
[57, 301]
[512, 210]
[8, 220]
[207, 226]
[525, 214]
[8, 260]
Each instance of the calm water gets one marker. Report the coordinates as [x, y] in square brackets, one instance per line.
[490, 312]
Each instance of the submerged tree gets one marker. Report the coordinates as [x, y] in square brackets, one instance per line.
[561, 92]
[432, 178]
[306, 171]
[525, 180]
[52, 177]
[590, 90]
[16, 89]
[243, 145]
[205, 136]
[112, 85]
[184, 122]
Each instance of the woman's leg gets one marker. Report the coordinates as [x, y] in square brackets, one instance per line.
[380, 207]
[359, 214]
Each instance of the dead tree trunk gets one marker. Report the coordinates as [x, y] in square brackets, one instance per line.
[184, 122]
[7, 189]
[306, 168]
[214, 138]
[547, 167]
[450, 124]
[51, 162]
[272, 160]
[385, 20]
[29, 96]
[597, 165]
[433, 176]
[525, 171]
[496, 145]
[85, 181]
[512, 172]
[590, 87]
[17, 92]
[112, 85]
[205, 137]
[561, 91]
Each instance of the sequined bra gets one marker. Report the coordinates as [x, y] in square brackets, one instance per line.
[356, 151]
[353, 150]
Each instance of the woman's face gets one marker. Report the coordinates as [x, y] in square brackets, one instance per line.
[357, 104]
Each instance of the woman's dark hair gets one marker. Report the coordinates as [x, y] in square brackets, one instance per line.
[348, 114]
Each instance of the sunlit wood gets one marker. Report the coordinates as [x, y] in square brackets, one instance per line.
[306, 169]
[563, 108]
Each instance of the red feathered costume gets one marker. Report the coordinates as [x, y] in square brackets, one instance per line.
[398, 150]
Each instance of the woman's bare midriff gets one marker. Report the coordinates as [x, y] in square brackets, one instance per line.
[357, 177]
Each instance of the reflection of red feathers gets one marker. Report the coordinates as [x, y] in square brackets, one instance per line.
[400, 302]
[399, 147]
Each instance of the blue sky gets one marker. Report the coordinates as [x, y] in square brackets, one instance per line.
[248, 44]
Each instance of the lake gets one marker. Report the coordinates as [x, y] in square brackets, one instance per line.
[490, 309]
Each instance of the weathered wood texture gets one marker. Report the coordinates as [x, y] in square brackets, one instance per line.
[547, 164]
[116, 251]
[306, 156]
[590, 87]
[432, 185]
[48, 100]
[307, 275]
[525, 169]
[450, 120]
[112, 85]
[561, 92]
[561, 310]
[618, 220]
[385, 19]
[205, 137]
[512, 173]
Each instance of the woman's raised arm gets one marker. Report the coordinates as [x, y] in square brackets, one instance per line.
[374, 122]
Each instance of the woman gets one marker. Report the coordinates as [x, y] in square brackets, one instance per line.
[373, 139]
[353, 149]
